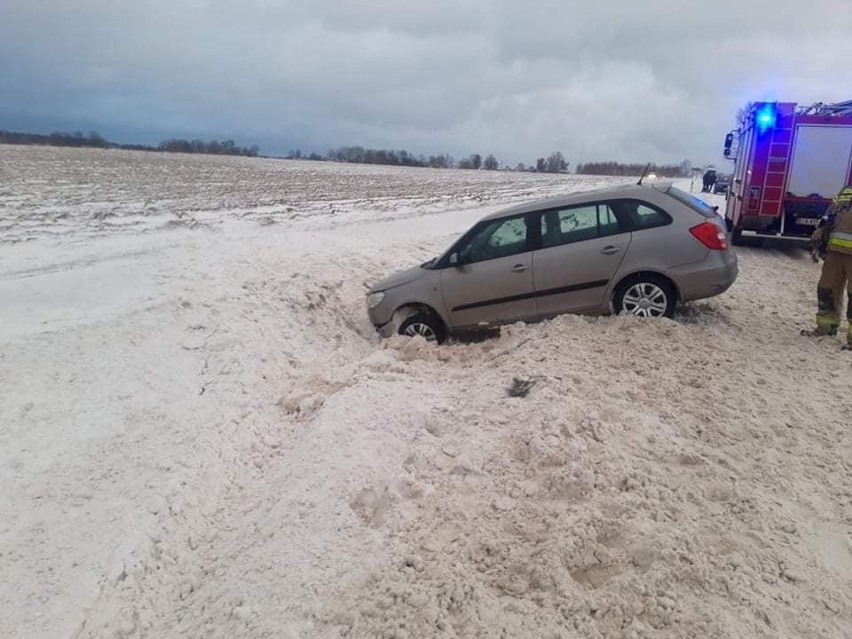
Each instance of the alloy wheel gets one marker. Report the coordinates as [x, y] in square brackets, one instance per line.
[423, 330]
[645, 300]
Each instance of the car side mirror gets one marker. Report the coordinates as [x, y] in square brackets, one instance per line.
[457, 259]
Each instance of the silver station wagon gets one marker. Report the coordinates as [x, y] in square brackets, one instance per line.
[633, 248]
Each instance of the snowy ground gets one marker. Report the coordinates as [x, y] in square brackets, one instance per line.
[201, 436]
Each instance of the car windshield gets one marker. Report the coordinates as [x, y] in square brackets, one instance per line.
[696, 204]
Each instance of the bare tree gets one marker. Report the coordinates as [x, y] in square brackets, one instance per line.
[742, 115]
[555, 163]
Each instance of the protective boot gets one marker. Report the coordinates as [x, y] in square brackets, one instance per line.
[832, 281]
[848, 346]
[819, 332]
[828, 314]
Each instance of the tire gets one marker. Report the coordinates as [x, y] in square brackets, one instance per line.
[646, 296]
[427, 326]
[737, 237]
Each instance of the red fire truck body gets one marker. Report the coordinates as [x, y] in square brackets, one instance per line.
[789, 162]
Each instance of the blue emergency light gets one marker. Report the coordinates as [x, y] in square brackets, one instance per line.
[765, 117]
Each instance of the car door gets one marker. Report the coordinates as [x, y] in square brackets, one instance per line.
[492, 281]
[581, 249]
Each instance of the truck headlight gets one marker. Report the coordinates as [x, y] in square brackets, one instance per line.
[374, 299]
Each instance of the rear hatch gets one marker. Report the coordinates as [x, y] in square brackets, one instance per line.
[713, 233]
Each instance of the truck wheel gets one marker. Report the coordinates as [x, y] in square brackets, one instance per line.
[426, 326]
[737, 239]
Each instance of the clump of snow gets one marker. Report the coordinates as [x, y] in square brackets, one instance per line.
[200, 434]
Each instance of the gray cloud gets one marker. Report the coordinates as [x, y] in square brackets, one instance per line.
[653, 80]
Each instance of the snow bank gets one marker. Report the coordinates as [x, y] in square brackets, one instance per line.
[200, 434]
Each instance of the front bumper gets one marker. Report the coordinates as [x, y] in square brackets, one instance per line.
[384, 330]
[381, 317]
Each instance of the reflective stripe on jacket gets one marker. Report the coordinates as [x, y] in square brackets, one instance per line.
[840, 228]
[840, 240]
[843, 198]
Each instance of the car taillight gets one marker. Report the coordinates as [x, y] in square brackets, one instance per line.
[710, 236]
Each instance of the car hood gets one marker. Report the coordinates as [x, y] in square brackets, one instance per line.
[399, 278]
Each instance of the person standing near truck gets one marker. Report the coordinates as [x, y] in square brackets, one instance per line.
[832, 241]
[709, 180]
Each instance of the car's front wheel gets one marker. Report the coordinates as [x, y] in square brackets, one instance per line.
[426, 326]
[645, 296]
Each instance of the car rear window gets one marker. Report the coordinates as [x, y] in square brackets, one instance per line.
[641, 215]
[696, 204]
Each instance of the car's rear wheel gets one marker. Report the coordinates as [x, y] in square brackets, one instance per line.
[645, 296]
[426, 326]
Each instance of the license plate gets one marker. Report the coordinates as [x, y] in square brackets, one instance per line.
[807, 221]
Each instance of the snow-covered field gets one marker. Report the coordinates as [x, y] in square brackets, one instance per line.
[201, 436]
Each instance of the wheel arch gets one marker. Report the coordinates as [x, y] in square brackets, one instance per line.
[407, 309]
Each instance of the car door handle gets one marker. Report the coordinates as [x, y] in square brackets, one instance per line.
[610, 250]
[519, 268]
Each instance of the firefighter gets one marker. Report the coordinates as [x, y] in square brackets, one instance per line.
[832, 241]
[709, 180]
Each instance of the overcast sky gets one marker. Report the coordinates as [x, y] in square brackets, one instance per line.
[630, 80]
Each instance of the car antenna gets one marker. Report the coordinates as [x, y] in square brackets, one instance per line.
[644, 173]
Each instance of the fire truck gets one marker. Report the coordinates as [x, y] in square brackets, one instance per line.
[789, 162]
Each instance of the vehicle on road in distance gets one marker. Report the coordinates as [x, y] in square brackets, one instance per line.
[722, 185]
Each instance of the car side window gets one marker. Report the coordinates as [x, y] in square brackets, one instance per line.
[578, 223]
[642, 215]
[498, 238]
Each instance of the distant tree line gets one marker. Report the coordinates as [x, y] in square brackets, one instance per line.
[360, 155]
[475, 162]
[554, 163]
[617, 168]
[297, 155]
[213, 147]
[56, 138]
[94, 140]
